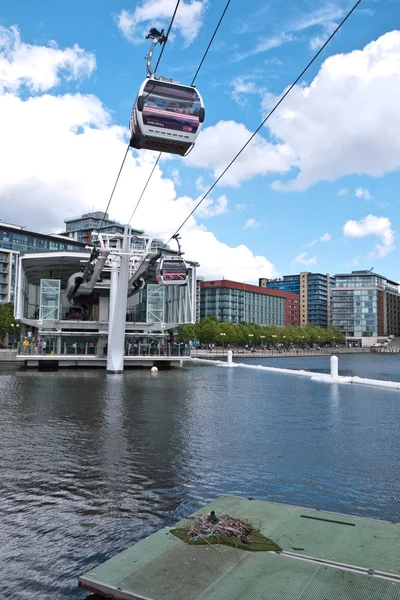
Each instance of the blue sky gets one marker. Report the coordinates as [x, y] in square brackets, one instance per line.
[317, 189]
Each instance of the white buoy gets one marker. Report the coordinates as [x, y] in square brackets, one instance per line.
[154, 370]
[334, 367]
[230, 354]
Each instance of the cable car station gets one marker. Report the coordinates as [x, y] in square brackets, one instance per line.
[117, 306]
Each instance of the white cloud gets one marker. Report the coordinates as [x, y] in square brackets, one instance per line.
[253, 223]
[210, 208]
[372, 225]
[363, 193]
[346, 121]
[304, 259]
[188, 21]
[323, 17]
[353, 263]
[39, 68]
[343, 192]
[242, 86]
[218, 144]
[67, 164]
[325, 238]
[240, 207]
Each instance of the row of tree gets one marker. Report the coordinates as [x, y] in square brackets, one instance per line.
[209, 331]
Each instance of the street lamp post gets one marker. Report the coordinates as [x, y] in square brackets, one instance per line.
[262, 343]
[222, 334]
[250, 340]
[274, 336]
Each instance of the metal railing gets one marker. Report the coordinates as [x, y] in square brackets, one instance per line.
[100, 350]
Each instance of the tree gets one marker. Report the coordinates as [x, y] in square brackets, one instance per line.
[186, 333]
[7, 321]
[207, 331]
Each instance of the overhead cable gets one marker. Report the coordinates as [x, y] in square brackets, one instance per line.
[167, 34]
[113, 190]
[210, 42]
[267, 117]
[144, 189]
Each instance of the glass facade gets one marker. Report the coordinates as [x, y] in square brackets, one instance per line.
[242, 306]
[355, 312]
[81, 228]
[364, 304]
[151, 305]
[315, 295]
[27, 241]
[50, 290]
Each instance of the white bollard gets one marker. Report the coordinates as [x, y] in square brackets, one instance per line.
[334, 367]
[154, 370]
[230, 354]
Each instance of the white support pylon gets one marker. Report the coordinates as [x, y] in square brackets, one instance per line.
[117, 318]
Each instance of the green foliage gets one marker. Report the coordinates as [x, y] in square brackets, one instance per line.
[209, 331]
[7, 321]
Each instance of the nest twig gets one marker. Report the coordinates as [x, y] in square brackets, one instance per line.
[224, 525]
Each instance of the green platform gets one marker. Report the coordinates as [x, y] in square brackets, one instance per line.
[340, 558]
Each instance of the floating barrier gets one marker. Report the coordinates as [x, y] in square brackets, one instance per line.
[332, 377]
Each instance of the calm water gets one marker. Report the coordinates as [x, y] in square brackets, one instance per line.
[91, 463]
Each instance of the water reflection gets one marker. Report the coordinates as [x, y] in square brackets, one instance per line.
[94, 462]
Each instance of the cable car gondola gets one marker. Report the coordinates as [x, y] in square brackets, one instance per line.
[166, 116]
[172, 270]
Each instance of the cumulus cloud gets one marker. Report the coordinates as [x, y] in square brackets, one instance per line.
[67, 165]
[346, 120]
[39, 68]
[372, 225]
[157, 13]
[363, 193]
[251, 223]
[259, 158]
[304, 259]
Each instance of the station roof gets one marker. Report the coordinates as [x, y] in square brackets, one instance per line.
[52, 265]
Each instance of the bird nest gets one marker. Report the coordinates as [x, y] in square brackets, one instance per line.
[224, 529]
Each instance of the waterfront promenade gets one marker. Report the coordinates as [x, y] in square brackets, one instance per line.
[218, 353]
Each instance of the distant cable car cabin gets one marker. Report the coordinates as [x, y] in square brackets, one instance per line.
[172, 271]
[166, 116]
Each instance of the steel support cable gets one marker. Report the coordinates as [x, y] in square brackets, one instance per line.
[210, 42]
[115, 185]
[194, 79]
[145, 187]
[268, 116]
[167, 34]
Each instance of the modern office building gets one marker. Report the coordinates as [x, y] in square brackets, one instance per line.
[365, 305]
[236, 302]
[81, 228]
[8, 262]
[15, 240]
[314, 290]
